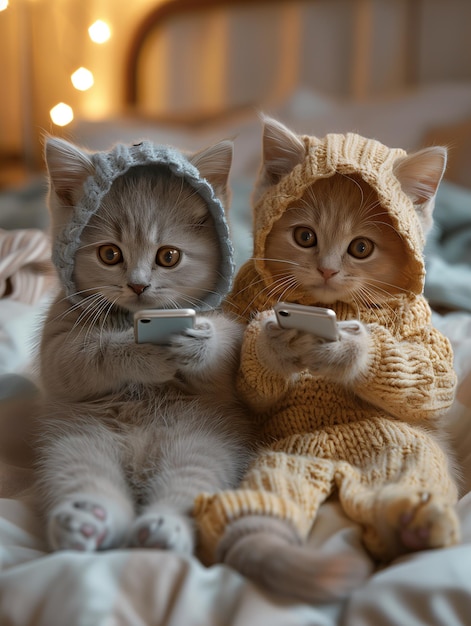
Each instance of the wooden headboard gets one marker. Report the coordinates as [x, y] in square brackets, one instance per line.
[194, 60]
[193, 49]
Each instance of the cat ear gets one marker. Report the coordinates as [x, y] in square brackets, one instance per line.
[420, 174]
[214, 164]
[68, 168]
[282, 150]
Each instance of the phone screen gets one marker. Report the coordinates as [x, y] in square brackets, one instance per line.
[157, 325]
[319, 321]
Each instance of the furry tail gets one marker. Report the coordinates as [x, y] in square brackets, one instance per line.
[298, 571]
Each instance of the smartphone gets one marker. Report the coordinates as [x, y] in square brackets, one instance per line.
[312, 319]
[156, 325]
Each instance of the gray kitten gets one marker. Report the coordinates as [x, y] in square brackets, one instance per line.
[129, 432]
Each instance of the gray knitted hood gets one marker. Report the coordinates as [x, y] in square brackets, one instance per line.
[108, 166]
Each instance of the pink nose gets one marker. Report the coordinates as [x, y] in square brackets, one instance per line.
[326, 272]
[137, 288]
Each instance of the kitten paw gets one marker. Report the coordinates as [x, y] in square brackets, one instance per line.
[413, 522]
[285, 349]
[295, 350]
[82, 523]
[165, 531]
[351, 327]
[429, 523]
[162, 366]
[192, 345]
[78, 525]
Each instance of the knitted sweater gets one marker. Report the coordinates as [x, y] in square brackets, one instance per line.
[366, 432]
[411, 375]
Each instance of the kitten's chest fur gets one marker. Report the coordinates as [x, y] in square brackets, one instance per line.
[144, 406]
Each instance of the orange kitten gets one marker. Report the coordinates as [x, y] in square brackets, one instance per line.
[339, 221]
[339, 243]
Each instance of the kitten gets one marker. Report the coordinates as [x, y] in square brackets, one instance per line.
[339, 222]
[129, 432]
[337, 253]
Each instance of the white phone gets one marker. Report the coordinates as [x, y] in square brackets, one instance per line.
[319, 321]
[156, 325]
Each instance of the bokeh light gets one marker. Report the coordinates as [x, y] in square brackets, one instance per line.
[82, 79]
[99, 32]
[62, 114]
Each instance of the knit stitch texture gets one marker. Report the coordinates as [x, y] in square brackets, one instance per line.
[372, 443]
[108, 166]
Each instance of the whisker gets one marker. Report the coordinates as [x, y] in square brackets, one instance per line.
[287, 261]
[281, 285]
[92, 245]
[105, 317]
[86, 318]
[87, 309]
[72, 307]
[92, 328]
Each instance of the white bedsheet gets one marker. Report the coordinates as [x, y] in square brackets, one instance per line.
[131, 586]
[144, 587]
[151, 587]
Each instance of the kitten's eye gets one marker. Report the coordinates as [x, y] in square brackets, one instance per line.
[305, 237]
[361, 248]
[167, 257]
[110, 254]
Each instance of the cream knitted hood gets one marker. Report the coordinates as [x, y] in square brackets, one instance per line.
[344, 154]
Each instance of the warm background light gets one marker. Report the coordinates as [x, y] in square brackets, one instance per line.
[99, 32]
[82, 79]
[3, 5]
[62, 114]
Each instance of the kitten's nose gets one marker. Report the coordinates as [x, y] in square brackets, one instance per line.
[137, 288]
[326, 272]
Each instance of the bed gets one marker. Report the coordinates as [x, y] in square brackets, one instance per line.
[222, 98]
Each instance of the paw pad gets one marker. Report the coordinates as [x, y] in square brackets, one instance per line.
[163, 531]
[78, 525]
[97, 511]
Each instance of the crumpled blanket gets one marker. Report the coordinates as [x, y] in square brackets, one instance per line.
[26, 280]
[25, 266]
[448, 250]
